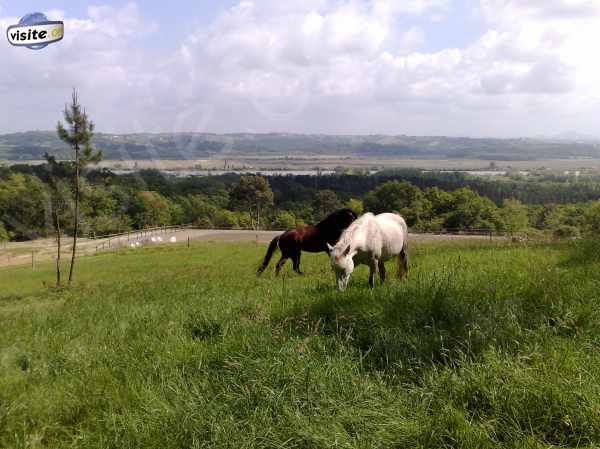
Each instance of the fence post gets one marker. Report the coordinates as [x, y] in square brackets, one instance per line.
[32, 260]
[188, 241]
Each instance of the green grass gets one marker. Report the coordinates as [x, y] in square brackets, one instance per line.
[484, 346]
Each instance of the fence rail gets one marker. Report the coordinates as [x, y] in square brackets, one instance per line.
[144, 234]
[137, 235]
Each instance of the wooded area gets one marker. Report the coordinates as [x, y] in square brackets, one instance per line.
[430, 201]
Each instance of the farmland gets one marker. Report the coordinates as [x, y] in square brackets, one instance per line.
[485, 345]
[182, 146]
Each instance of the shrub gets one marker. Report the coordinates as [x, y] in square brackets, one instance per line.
[283, 220]
[566, 232]
[224, 218]
[3, 233]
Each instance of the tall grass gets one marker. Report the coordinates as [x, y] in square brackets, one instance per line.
[483, 346]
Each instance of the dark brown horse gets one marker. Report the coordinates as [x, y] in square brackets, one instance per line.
[311, 238]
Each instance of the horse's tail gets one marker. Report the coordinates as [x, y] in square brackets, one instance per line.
[267, 259]
[404, 252]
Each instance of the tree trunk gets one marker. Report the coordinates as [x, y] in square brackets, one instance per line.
[76, 218]
[58, 243]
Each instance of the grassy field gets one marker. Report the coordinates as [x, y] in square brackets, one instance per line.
[484, 346]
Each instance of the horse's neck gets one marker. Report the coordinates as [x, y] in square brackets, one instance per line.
[347, 236]
[357, 232]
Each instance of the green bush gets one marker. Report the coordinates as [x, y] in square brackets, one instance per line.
[4, 236]
[566, 232]
[224, 218]
[283, 220]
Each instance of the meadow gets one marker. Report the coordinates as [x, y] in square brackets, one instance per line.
[486, 345]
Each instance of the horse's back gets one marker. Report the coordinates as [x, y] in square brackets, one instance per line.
[393, 231]
[302, 238]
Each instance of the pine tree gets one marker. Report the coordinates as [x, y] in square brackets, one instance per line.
[78, 137]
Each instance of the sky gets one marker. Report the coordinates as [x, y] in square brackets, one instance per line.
[476, 68]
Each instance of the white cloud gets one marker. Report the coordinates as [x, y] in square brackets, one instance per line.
[510, 11]
[320, 66]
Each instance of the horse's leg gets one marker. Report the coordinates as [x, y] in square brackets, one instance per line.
[373, 267]
[382, 271]
[402, 262]
[280, 264]
[404, 255]
[296, 259]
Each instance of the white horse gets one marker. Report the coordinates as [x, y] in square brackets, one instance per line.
[370, 240]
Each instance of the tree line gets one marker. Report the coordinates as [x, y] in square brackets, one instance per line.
[110, 203]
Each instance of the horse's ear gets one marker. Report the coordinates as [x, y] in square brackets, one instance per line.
[330, 247]
[347, 251]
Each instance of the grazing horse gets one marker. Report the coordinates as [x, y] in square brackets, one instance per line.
[370, 240]
[311, 238]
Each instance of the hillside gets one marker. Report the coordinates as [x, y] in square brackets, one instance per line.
[32, 146]
[484, 346]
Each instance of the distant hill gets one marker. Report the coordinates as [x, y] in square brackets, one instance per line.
[33, 144]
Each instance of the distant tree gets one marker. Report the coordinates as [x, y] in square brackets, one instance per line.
[204, 223]
[441, 201]
[574, 215]
[176, 213]
[225, 219]
[514, 216]
[244, 220]
[552, 217]
[219, 197]
[78, 137]
[356, 205]
[325, 202]
[103, 207]
[153, 209]
[398, 196]
[23, 201]
[283, 220]
[4, 236]
[252, 194]
[472, 212]
[592, 217]
[196, 208]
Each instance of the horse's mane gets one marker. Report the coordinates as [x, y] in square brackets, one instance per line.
[348, 234]
[335, 217]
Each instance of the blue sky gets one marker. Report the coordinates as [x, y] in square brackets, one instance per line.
[425, 67]
[457, 28]
[175, 22]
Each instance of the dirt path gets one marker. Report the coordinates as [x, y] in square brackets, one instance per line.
[44, 250]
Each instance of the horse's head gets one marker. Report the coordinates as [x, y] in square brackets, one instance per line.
[338, 220]
[346, 217]
[342, 263]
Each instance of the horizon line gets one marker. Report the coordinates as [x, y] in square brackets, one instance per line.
[309, 134]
